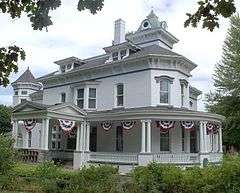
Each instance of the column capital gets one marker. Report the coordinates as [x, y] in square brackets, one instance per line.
[146, 121]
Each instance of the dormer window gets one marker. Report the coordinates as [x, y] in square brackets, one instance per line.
[123, 53]
[115, 56]
[69, 66]
[63, 68]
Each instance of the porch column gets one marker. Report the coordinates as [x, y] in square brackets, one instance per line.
[78, 137]
[143, 141]
[220, 140]
[15, 133]
[45, 134]
[87, 136]
[149, 138]
[82, 136]
[202, 137]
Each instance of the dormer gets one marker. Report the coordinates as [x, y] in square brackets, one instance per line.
[152, 31]
[69, 64]
[120, 51]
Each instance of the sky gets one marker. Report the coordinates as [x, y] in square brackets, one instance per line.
[83, 35]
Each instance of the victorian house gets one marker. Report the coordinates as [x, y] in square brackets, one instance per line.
[130, 106]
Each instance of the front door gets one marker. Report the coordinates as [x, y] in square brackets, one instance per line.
[93, 139]
[119, 139]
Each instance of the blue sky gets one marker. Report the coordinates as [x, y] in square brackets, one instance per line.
[84, 35]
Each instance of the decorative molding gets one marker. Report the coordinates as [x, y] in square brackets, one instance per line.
[164, 77]
[184, 82]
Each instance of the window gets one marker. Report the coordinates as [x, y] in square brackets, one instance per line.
[182, 95]
[63, 97]
[120, 95]
[191, 104]
[53, 144]
[193, 141]
[92, 98]
[69, 66]
[23, 100]
[59, 145]
[29, 139]
[80, 98]
[123, 53]
[16, 93]
[24, 92]
[164, 142]
[164, 91]
[63, 68]
[183, 139]
[115, 56]
[119, 139]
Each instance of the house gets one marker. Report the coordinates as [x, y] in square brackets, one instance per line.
[130, 106]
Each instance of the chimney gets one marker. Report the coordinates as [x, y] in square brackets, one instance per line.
[119, 32]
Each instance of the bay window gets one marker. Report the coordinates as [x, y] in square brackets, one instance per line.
[80, 98]
[120, 95]
[92, 98]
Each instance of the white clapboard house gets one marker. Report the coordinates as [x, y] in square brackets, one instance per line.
[130, 106]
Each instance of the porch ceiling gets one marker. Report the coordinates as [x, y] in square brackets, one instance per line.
[159, 112]
[32, 110]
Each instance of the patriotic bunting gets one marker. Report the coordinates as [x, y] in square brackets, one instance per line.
[128, 124]
[29, 124]
[66, 125]
[165, 126]
[106, 125]
[188, 125]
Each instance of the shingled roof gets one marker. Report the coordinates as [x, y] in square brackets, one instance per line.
[27, 76]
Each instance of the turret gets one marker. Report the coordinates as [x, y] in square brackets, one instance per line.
[25, 85]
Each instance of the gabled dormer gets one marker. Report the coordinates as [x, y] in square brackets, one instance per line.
[152, 31]
[69, 64]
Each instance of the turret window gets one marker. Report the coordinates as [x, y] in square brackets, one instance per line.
[24, 92]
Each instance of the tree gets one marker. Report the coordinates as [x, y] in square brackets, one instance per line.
[5, 119]
[226, 99]
[38, 12]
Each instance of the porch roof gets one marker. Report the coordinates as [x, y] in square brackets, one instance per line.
[159, 112]
[33, 110]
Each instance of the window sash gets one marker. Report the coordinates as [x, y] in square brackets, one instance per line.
[164, 92]
[120, 95]
[63, 97]
[80, 98]
[92, 98]
[164, 142]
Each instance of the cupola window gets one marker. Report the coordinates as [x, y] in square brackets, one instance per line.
[63, 68]
[123, 53]
[69, 66]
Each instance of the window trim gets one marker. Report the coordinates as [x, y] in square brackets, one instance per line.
[117, 95]
[61, 101]
[168, 92]
[90, 98]
[80, 98]
[169, 142]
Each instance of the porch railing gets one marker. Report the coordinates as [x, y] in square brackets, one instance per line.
[29, 155]
[121, 158]
[176, 158]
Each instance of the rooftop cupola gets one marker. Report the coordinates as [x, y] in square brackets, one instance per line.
[152, 31]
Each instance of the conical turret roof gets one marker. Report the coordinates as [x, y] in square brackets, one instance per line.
[27, 76]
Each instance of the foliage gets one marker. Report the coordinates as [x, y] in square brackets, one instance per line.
[9, 58]
[6, 154]
[38, 12]
[226, 99]
[209, 12]
[5, 119]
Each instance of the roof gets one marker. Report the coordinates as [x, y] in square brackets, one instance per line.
[101, 60]
[27, 76]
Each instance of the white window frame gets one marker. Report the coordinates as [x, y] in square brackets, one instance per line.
[182, 95]
[84, 90]
[169, 142]
[61, 101]
[119, 95]
[169, 92]
[91, 98]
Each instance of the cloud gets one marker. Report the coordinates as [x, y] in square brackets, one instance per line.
[83, 35]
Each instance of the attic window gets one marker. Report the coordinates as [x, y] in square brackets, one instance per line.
[115, 56]
[63, 68]
[69, 66]
[75, 65]
[123, 53]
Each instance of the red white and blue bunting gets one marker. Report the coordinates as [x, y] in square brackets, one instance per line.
[188, 125]
[127, 125]
[66, 125]
[165, 126]
[212, 128]
[106, 125]
[29, 124]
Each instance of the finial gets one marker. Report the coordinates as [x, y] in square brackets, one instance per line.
[152, 14]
